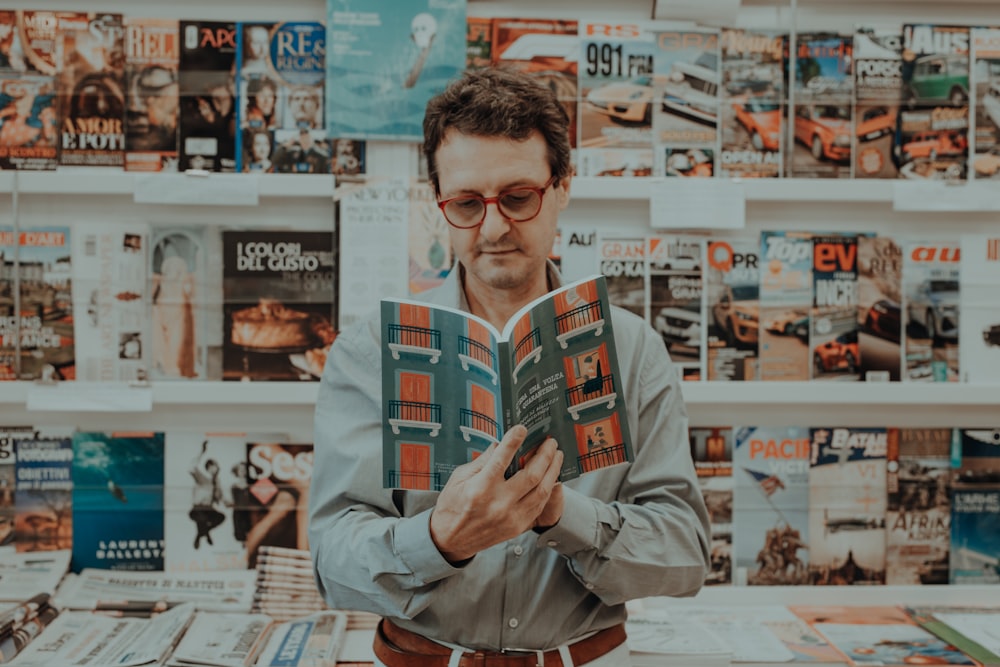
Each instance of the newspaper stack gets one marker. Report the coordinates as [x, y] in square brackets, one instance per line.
[655, 639]
[286, 588]
[22, 575]
[22, 623]
[222, 640]
[85, 639]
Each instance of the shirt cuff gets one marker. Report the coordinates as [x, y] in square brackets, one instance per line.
[414, 546]
[577, 528]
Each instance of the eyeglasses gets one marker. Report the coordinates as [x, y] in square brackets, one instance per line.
[516, 205]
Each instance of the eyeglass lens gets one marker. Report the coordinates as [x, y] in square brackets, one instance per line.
[517, 205]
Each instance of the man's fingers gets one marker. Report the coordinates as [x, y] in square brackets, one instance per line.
[505, 450]
[534, 471]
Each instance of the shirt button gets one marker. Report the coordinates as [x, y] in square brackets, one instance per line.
[589, 587]
[552, 543]
[518, 550]
[513, 622]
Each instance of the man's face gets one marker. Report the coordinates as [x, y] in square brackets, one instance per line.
[499, 254]
[303, 105]
[221, 100]
[265, 100]
[162, 106]
[261, 147]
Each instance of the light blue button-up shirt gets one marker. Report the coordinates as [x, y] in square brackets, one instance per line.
[628, 531]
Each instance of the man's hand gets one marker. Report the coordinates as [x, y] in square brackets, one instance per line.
[553, 509]
[479, 508]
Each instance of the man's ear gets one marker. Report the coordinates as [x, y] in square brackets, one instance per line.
[564, 190]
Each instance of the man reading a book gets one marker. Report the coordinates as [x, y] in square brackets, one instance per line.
[493, 570]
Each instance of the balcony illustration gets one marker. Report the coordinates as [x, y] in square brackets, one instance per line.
[472, 353]
[408, 479]
[528, 349]
[590, 393]
[411, 414]
[579, 321]
[472, 423]
[415, 340]
[601, 458]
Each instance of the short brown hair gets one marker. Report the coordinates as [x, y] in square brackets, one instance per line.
[495, 102]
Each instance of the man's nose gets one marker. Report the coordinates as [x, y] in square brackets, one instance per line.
[495, 225]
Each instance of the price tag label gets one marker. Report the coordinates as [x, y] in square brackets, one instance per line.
[697, 203]
[89, 397]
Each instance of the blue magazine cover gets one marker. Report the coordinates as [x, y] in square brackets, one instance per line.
[118, 501]
[385, 59]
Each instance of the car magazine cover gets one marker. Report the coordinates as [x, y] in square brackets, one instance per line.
[281, 87]
[205, 527]
[207, 80]
[712, 452]
[732, 308]
[918, 514]
[833, 320]
[117, 500]
[786, 295]
[110, 301]
[478, 42]
[878, 86]
[43, 497]
[880, 273]
[752, 106]
[673, 287]
[979, 330]
[847, 504]
[975, 509]
[430, 253]
[279, 307]
[932, 131]
[385, 59]
[45, 323]
[617, 99]
[771, 505]
[152, 95]
[186, 295]
[820, 145]
[549, 50]
[91, 89]
[931, 300]
[622, 260]
[686, 108]
[276, 511]
[552, 369]
[985, 89]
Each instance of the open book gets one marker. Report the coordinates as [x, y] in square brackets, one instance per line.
[452, 384]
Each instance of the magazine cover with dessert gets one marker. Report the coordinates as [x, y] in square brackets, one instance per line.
[91, 83]
[278, 304]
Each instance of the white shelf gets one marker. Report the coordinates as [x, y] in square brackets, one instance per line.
[786, 394]
[113, 182]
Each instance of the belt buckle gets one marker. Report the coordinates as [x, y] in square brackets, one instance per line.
[503, 658]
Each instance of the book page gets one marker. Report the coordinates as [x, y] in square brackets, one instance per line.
[566, 380]
[442, 374]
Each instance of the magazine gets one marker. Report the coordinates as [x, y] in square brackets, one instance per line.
[833, 331]
[786, 296]
[931, 309]
[23, 575]
[979, 627]
[878, 83]
[712, 453]
[731, 308]
[385, 60]
[9, 435]
[880, 298]
[152, 95]
[43, 496]
[985, 89]
[926, 616]
[207, 128]
[553, 369]
[673, 290]
[979, 308]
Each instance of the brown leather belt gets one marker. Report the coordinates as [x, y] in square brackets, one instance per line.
[397, 647]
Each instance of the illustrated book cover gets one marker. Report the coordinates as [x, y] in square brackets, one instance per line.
[452, 385]
[118, 500]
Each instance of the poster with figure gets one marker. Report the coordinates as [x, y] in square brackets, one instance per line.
[385, 59]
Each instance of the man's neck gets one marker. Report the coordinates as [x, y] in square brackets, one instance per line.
[496, 306]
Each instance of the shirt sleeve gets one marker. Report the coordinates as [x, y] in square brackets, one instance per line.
[652, 540]
[366, 554]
